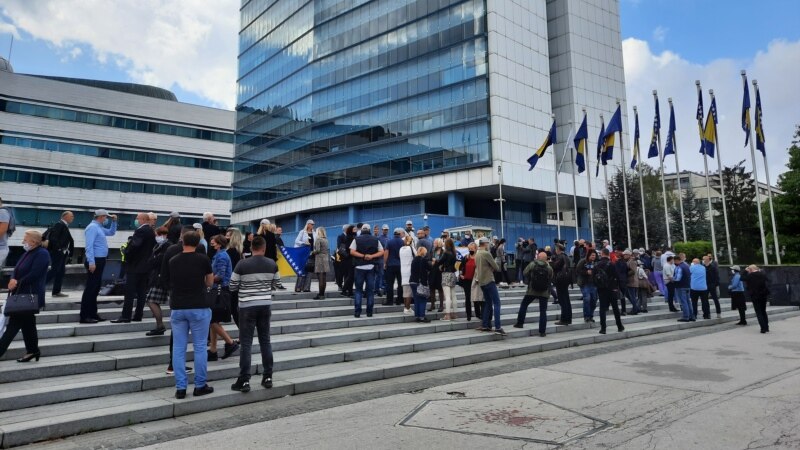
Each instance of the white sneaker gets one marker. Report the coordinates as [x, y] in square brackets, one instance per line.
[719, 316]
[408, 311]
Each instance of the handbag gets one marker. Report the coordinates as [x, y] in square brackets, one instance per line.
[218, 299]
[448, 279]
[423, 291]
[21, 304]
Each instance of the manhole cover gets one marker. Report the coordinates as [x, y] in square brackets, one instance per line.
[521, 417]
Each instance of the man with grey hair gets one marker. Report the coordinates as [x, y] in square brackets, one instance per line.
[210, 229]
[61, 246]
[153, 217]
[137, 269]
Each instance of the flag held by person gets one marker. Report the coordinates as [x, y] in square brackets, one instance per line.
[548, 141]
[293, 261]
[580, 140]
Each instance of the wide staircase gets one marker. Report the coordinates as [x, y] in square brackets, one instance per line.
[94, 377]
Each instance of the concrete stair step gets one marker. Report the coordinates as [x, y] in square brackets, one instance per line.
[36, 423]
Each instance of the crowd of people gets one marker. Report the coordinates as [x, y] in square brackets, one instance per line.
[210, 276]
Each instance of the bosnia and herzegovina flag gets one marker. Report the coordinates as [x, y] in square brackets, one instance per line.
[653, 151]
[580, 145]
[759, 125]
[710, 131]
[746, 111]
[669, 149]
[600, 148]
[548, 141]
[614, 126]
[635, 159]
[294, 261]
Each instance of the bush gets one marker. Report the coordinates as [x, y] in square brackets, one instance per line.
[695, 249]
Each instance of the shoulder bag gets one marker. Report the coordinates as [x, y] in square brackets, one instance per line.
[17, 304]
[218, 299]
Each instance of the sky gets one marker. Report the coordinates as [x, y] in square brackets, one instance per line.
[190, 47]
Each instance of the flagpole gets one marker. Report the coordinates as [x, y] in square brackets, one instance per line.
[758, 191]
[769, 192]
[574, 185]
[558, 209]
[678, 171]
[608, 202]
[722, 189]
[641, 186]
[708, 184]
[586, 157]
[625, 184]
[663, 184]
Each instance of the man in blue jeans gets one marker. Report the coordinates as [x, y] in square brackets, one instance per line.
[485, 267]
[682, 281]
[586, 283]
[540, 275]
[189, 276]
[366, 251]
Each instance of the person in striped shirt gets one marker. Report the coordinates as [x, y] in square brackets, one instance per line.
[252, 279]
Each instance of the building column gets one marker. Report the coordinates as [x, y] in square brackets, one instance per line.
[583, 218]
[455, 204]
[352, 212]
[299, 223]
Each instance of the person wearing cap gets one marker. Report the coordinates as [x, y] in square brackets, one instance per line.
[410, 232]
[736, 288]
[485, 267]
[173, 224]
[391, 263]
[198, 227]
[366, 251]
[96, 238]
[756, 283]
[305, 238]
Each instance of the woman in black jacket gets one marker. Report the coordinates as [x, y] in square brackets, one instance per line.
[347, 262]
[29, 277]
[420, 271]
[755, 282]
[157, 294]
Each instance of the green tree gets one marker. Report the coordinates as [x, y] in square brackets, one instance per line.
[694, 215]
[787, 206]
[740, 193]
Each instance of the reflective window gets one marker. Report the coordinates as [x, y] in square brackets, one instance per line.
[358, 91]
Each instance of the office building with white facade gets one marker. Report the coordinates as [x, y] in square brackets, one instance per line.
[383, 110]
[79, 145]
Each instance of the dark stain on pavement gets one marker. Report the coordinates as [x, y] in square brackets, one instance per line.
[729, 353]
[690, 373]
[788, 345]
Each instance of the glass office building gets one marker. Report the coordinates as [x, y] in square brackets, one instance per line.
[384, 110]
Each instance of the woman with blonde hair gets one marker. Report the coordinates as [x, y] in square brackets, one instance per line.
[322, 258]
[267, 230]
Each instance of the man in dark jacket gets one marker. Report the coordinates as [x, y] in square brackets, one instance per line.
[606, 291]
[561, 280]
[338, 268]
[366, 251]
[137, 258]
[61, 247]
[755, 281]
[621, 267]
[712, 281]
[210, 229]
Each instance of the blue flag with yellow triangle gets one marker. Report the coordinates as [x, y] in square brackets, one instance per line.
[548, 141]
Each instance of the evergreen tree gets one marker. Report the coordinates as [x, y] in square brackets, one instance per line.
[740, 193]
[787, 206]
[694, 214]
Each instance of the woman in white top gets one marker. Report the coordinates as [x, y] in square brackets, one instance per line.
[305, 238]
[407, 255]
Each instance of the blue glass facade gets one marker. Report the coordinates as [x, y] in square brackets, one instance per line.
[336, 93]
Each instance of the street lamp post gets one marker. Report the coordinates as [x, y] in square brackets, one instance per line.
[501, 200]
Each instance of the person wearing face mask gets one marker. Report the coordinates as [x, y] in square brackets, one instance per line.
[156, 294]
[96, 238]
[29, 277]
[137, 269]
[465, 280]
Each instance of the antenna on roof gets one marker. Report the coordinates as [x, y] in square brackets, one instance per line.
[10, 47]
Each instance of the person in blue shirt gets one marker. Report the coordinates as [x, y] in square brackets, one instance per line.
[222, 268]
[736, 288]
[699, 287]
[96, 235]
[682, 281]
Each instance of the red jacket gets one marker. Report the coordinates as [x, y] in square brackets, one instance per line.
[469, 268]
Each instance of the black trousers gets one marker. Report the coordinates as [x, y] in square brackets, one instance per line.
[26, 323]
[563, 301]
[93, 283]
[703, 296]
[622, 294]
[254, 318]
[135, 287]
[671, 295]
[58, 265]
[608, 297]
[466, 285]
[712, 294]
[349, 276]
[338, 272]
[760, 305]
[392, 274]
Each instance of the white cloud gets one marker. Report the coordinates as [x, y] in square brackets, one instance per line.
[189, 43]
[673, 76]
[10, 29]
[660, 33]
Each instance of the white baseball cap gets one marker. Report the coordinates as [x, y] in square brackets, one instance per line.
[100, 212]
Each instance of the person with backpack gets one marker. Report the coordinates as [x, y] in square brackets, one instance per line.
[539, 275]
[7, 227]
[61, 246]
[562, 280]
[605, 279]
